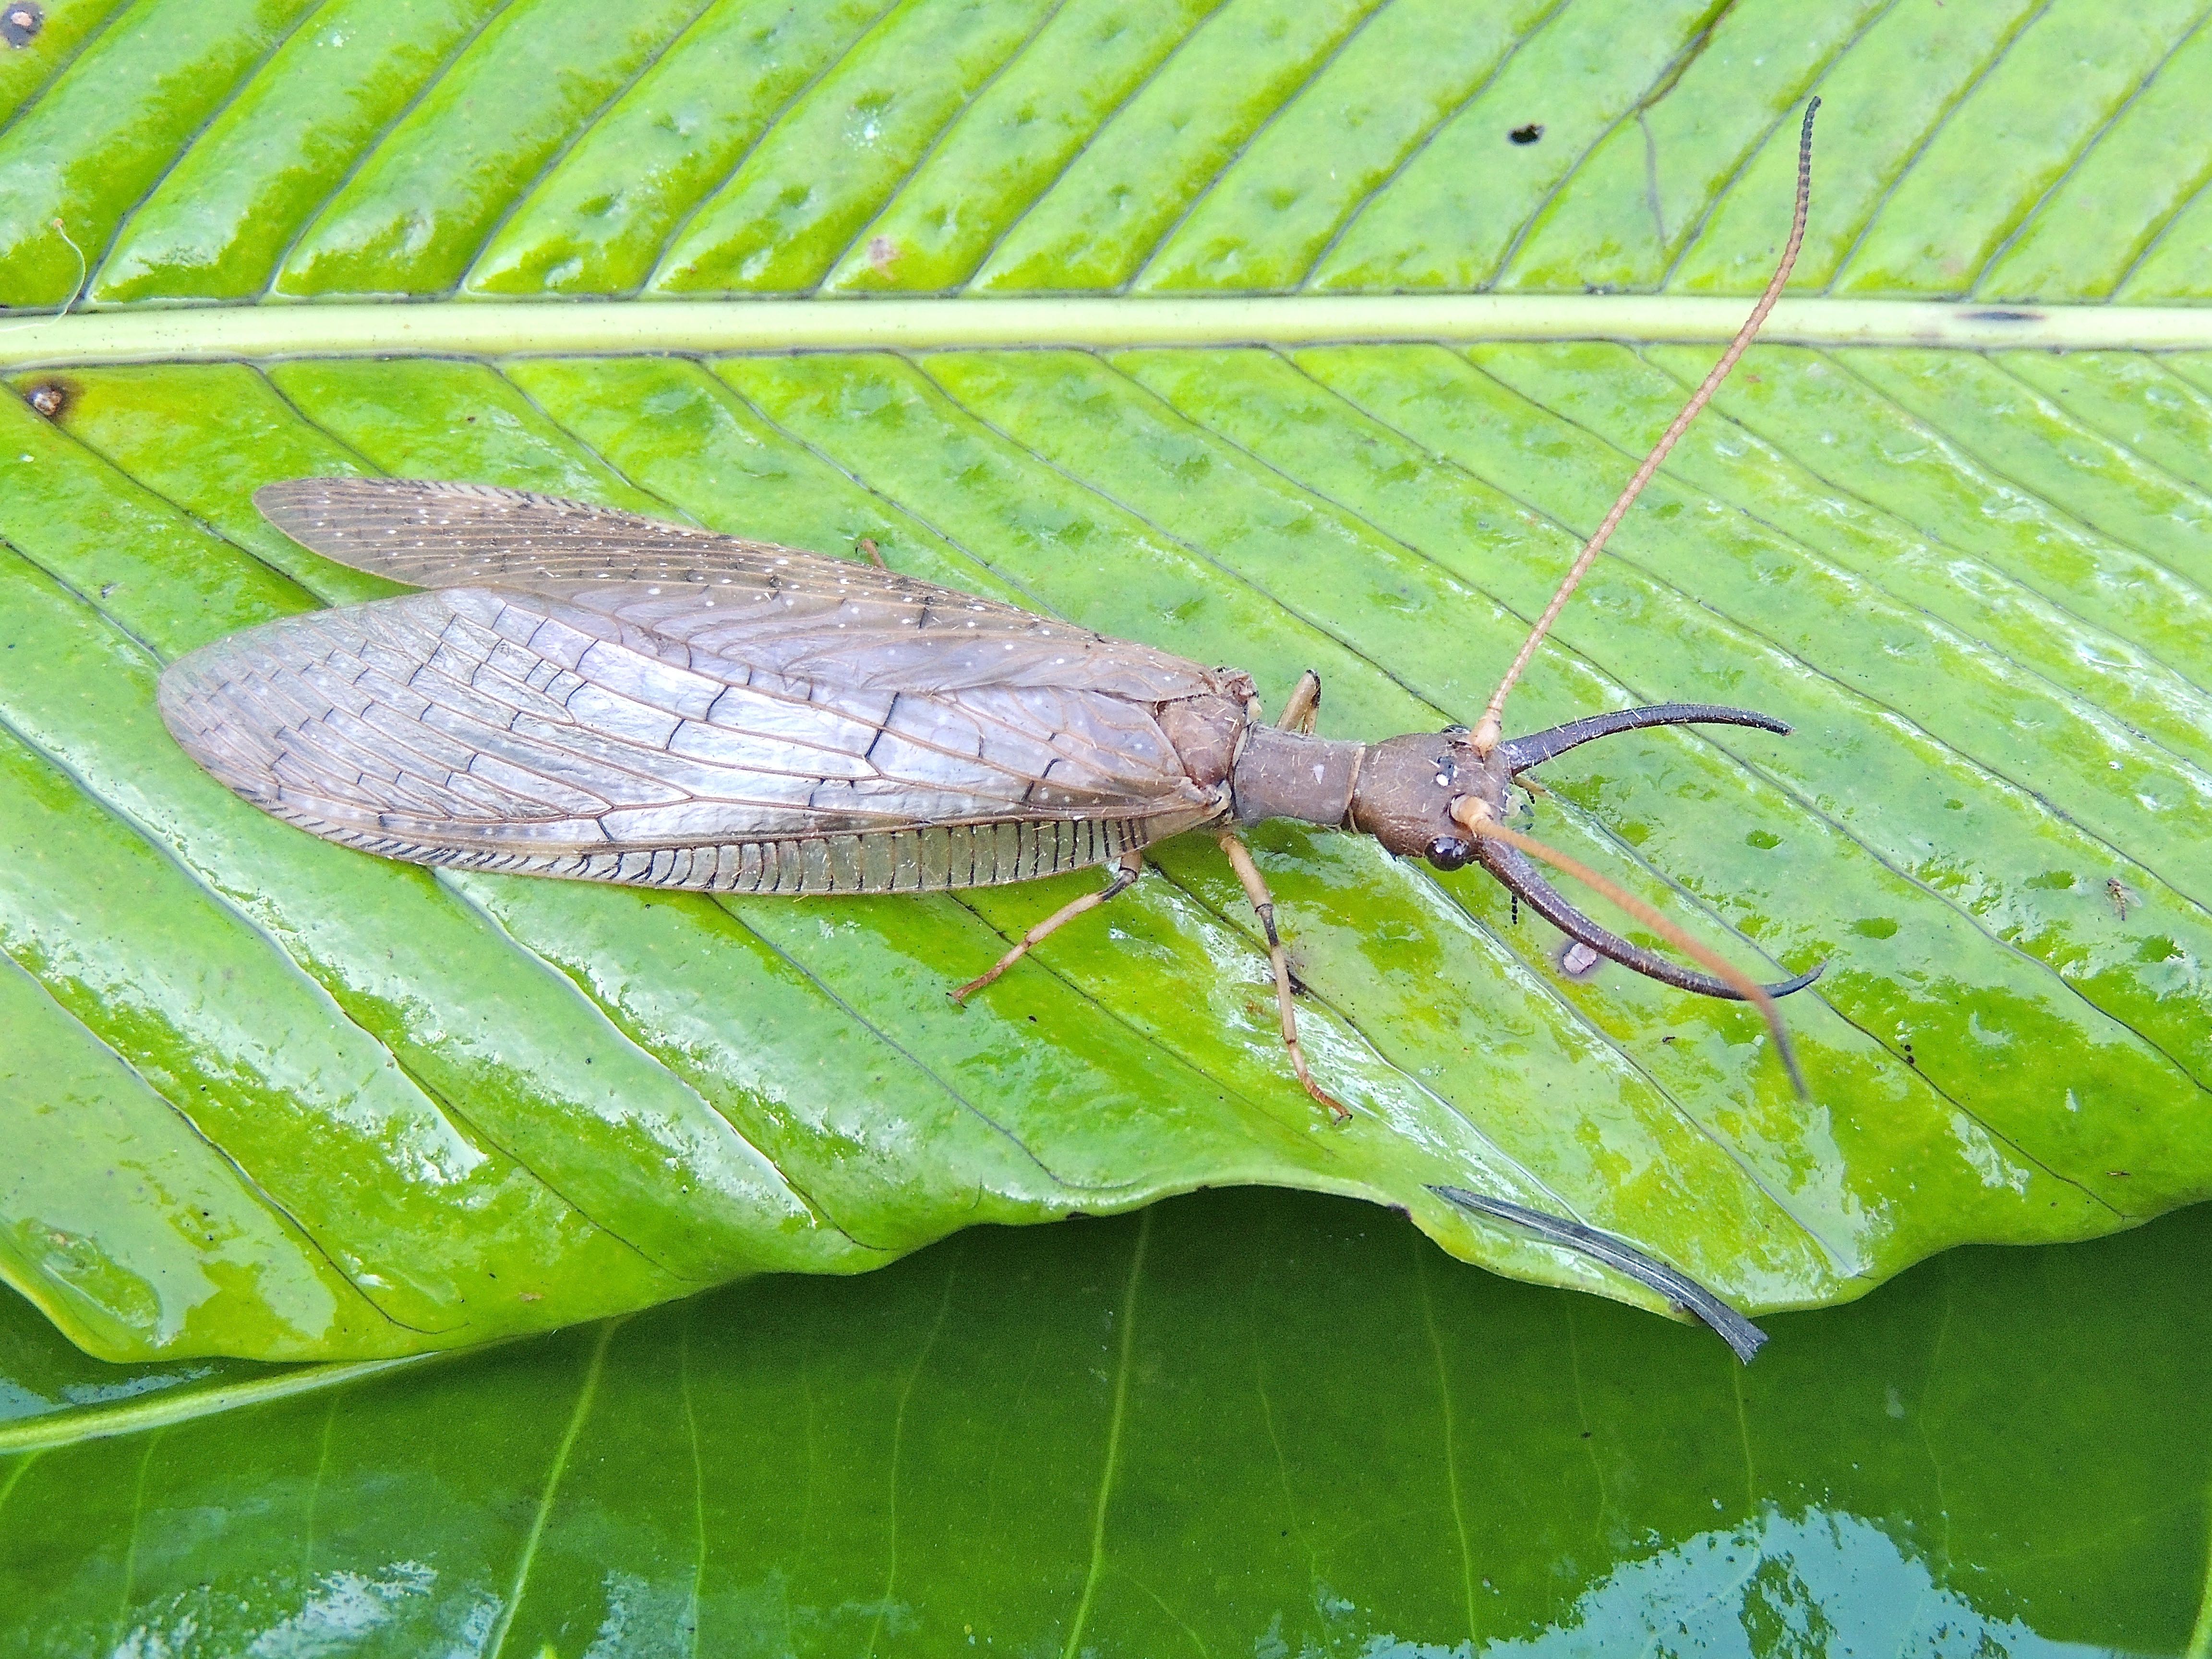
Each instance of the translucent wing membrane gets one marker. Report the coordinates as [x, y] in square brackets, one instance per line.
[769, 606]
[589, 693]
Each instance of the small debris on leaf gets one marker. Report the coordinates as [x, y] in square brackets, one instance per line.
[50, 398]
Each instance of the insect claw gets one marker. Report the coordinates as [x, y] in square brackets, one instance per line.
[1339, 1113]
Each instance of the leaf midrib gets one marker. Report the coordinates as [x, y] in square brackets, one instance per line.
[388, 328]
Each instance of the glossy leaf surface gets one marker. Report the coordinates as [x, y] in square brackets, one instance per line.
[626, 1094]
[260, 1097]
[345, 1108]
[1242, 1422]
[226, 149]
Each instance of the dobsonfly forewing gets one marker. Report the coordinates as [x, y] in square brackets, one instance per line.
[584, 693]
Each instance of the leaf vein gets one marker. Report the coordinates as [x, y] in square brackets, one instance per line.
[970, 99]
[1973, 83]
[708, 197]
[1282, 105]
[368, 151]
[519, 198]
[544, 1510]
[1420, 146]
[2080, 155]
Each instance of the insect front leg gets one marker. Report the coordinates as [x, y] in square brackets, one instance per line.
[1263, 904]
[1304, 706]
[1126, 869]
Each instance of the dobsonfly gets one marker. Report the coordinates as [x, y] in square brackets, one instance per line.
[584, 693]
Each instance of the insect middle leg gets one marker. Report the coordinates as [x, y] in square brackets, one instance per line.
[1263, 905]
[1126, 871]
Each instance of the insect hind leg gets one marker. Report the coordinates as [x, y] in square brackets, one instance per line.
[1129, 867]
[1263, 905]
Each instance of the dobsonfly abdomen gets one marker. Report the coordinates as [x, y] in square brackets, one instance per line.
[583, 693]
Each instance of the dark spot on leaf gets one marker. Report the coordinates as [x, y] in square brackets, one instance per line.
[51, 397]
[21, 22]
[1765, 839]
[1527, 134]
[1875, 927]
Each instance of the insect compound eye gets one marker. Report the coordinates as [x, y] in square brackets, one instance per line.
[1449, 852]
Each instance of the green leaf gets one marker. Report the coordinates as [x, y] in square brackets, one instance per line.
[281, 1101]
[1241, 1423]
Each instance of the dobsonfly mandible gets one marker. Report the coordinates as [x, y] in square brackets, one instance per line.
[584, 693]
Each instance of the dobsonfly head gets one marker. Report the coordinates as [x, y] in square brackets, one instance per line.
[1422, 796]
[1440, 796]
[1407, 786]
[1511, 865]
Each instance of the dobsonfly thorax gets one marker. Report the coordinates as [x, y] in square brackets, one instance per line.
[1400, 791]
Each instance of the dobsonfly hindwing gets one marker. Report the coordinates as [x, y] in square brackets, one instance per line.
[584, 693]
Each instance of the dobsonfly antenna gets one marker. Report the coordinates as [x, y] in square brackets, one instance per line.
[1474, 814]
[1491, 727]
